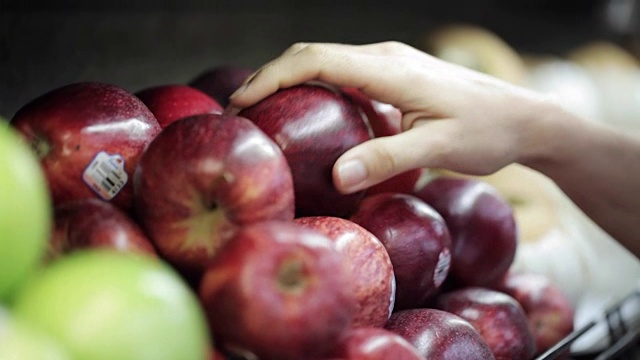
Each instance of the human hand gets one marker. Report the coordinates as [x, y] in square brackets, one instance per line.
[453, 117]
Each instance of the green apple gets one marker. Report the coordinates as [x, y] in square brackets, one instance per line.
[18, 341]
[25, 211]
[103, 304]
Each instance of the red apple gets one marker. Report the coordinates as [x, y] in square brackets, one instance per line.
[313, 125]
[278, 290]
[440, 335]
[482, 225]
[498, 317]
[417, 240]
[221, 81]
[90, 223]
[172, 102]
[549, 311]
[214, 354]
[203, 177]
[373, 343]
[385, 120]
[368, 263]
[89, 137]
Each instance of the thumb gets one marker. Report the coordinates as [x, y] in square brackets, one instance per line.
[378, 159]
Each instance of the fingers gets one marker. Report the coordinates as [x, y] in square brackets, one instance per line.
[367, 67]
[428, 144]
[379, 159]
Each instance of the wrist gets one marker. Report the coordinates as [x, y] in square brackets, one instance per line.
[548, 133]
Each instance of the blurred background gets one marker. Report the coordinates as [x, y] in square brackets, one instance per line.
[136, 44]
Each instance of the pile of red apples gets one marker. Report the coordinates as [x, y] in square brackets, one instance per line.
[243, 206]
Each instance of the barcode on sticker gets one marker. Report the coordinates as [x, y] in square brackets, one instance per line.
[105, 175]
[442, 267]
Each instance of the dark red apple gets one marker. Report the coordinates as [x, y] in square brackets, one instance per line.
[204, 176]
[92, 223]
[482, 225]
[498, 317]
[278, 290]
[417, 240]
[221, 81]
[89, 137]
[385, 120]
[214, 354]
[368, 263]
[440, 335]
[549, 311]
[313, 125]
[373, 343]
[173, 101]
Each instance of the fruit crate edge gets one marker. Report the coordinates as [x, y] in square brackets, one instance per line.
[623, 336]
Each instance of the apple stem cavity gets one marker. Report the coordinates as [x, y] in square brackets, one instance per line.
[41, 146]
[291, 276]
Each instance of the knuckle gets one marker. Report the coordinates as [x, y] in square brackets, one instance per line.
[297, 47]
[394, 47]
[314, 50]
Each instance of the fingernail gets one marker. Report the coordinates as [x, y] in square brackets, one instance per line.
[352, 173]
[245, 84]
[240, 90]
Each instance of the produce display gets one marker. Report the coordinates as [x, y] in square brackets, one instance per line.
[153, 224]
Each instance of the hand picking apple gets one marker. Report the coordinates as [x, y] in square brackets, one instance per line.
[313, 125]
[459, 119]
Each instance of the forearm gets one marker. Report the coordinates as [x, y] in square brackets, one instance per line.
[598, 167]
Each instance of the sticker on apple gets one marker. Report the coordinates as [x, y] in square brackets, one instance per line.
[105, 175]
[442, 267]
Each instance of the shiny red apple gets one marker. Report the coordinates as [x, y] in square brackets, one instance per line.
[385, 119]
[373, 343]
[368, 263]
[221, 81]
[498, 317]
[89, 137]
[278, 290]
[549, 312]
[417, 240]
[313, 125]
[482, 225]
[440, 335]
[93, 223]
[174, 101]
[202, 178]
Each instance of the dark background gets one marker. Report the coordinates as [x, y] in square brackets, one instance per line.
[141, 43]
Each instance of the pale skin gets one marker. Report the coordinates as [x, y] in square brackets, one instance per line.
[458, 119]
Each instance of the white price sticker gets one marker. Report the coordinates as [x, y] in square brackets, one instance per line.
[442, 267]
[105, 175]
